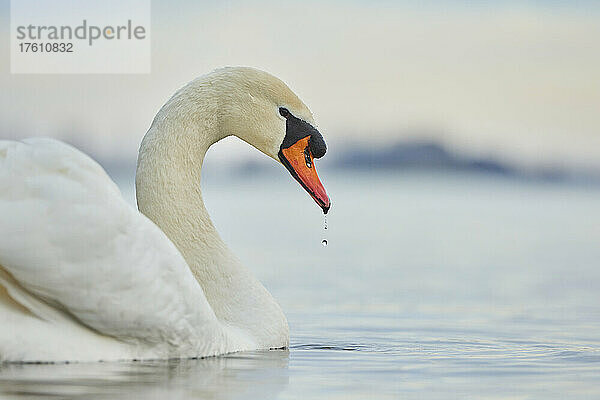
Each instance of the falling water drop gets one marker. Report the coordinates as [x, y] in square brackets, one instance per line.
[324, 241]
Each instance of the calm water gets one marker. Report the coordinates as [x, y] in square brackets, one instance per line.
[432, 287]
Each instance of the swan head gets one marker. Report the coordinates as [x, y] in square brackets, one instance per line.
[264, 112]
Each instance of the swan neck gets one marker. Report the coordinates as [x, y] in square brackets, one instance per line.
[168, 192]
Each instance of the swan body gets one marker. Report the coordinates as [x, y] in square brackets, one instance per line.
[86, 277]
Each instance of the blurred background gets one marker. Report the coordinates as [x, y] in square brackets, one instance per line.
[516, 82]
[463, 167]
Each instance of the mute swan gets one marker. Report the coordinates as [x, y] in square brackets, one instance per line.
[85, 277]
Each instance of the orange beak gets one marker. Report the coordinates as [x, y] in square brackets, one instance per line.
[298, 160]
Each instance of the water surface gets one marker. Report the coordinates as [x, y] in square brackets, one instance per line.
[433, 286]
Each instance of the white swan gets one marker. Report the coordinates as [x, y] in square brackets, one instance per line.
[85, 277]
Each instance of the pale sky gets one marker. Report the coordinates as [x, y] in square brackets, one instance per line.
[515, 79]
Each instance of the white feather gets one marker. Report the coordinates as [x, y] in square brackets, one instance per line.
[69, 238]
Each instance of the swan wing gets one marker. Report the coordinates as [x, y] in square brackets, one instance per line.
[69, 239]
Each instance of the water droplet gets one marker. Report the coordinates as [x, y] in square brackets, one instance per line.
[324, 241]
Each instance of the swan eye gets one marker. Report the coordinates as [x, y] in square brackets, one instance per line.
[307, 158]
[284, 112]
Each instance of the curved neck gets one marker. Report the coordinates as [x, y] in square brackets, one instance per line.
[168, 187]
[168, 192]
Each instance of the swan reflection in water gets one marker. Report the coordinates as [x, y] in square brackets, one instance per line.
[247, 375]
